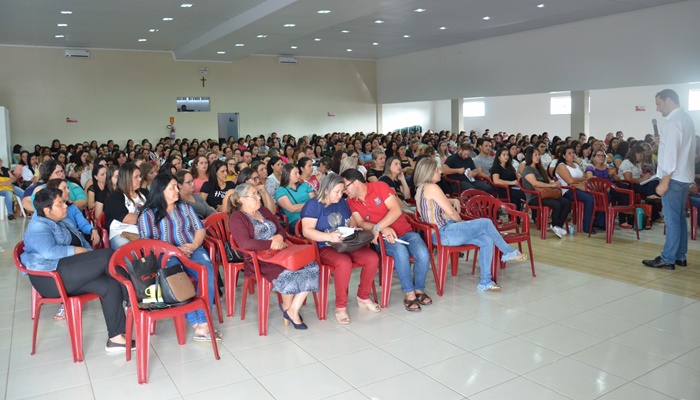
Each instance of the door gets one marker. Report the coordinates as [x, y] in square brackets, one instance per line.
[228, 126]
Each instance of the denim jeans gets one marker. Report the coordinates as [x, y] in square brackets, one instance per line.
[588, 203]
[199, 256]
[402, 262]
[8, 196]
[673, 201]
[480, 232]
[117, 242]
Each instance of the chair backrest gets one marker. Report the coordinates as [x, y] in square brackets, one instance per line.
[101, 221]
[19, 249]
[598, 185]
[484, 207]
[468, 194]
[163, 252]
[217, 226]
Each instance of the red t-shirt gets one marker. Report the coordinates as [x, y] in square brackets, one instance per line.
[373, 208]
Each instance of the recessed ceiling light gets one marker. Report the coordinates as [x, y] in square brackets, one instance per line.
[262, 36]
[345, 31]
[59, 36]
[142, 40]
[186, 5]
[167, 19]
[240, 44]
[323, 11]
[419, 10]
[486, 18]
[153, 30]
[379, 21]
[349, 50]
[61, 25]
[220, 52]
[375, 44]
[289, 25]
[66, 12]
[293, 47]
[540, 6]
[407, 36]
[442, 28]
[317, 39]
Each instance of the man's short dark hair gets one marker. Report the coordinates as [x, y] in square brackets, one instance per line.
[669, 94]
[353, 175]
[45, 198]
[466, 146]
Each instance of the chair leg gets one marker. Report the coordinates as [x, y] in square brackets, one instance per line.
[441, 272]
[693, 223]
[387, 275]
[246, 283]
[532, 259]
[142, 343]
[180, 329]
[454, 258]
[217, 298]
[495, 262]
[448, 257]
[35, 297]
[129, 334]
[609, 225]
[74, 320]
[374, 292]
[230, 282]
[264, 291]
[322, 303]
[210, 322]
[476, 257]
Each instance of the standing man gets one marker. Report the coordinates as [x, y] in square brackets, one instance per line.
[677, 171]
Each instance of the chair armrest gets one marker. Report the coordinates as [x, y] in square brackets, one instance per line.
[628, 192]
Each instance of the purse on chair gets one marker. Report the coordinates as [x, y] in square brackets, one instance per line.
[293, 257]
[549, 193]
[355, 241]
[175, 285]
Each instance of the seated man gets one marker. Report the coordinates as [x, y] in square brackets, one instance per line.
[484, 160]
[460, 162]
[375, 208]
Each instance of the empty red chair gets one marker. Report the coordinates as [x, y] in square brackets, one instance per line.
[600, 188]
[143, 320]
[73, 306]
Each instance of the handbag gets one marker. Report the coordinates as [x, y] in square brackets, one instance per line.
[142, 273]
[231, 254]
[294, 257]
[355, 241]
[175, 285]
[549, 193]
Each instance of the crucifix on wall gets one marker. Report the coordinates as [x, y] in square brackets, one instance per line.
[203, 81]
[203, 71]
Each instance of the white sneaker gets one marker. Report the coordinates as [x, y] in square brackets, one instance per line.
[561, 230]
[556, 230]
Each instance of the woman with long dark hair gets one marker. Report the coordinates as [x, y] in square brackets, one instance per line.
[164, 217]
[216, 188]
[123, 206]
[292, 194]
[503, 173]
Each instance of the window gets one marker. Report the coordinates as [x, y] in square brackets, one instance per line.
[694, 100]
[560, 105]
[474, 108]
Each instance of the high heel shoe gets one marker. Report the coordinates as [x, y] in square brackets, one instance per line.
[282, 309]
[301, 326]
[368, 304]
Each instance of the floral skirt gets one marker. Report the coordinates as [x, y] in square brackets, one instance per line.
[295, 282]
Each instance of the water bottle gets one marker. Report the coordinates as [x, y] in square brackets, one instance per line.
[572, 229]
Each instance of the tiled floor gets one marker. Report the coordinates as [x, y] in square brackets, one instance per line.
[562, 335]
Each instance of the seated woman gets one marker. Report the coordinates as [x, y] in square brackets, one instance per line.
[393, 176]
[535, 176]
[600, 169]
[255, 228]
[97, 192]
[291, 195]
[52, 245]
[569, 173]
[434, 207]
[306, 173]
[123, 206]
[200, 172]
[217, 187]
[164, 217]
[631, 171]
[315, 226]
[75, 216]
[249, 175]
[274, 175]
[185, 183]
[378, 163]
[503, 173]
[407, 164]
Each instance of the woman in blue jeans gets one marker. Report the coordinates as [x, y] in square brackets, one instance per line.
[434, 207]
[164, 217]
[569, 173]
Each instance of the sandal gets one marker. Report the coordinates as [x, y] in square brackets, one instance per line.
[409, 304]
[423, 299]
[61, 314]
[342, 316]
[207, 337]
[368, 304]
[625, 225]
[514, 256]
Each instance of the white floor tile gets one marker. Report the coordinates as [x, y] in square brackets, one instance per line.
[583, 298]
[678, 324]
[575, 379]
[468, 374]
[273, 358]
[551, 309]
[312, 381]
[517, 355]
[58, 376]
[409, 385]
[248, 389]
[105, 366]
[659, 343]
[431, 318]
[560, 338]
[512, 321]
[367, 366]
[160, 385]
[349, 395]
[634, 391]
[205, 374]
[598, 324]
[384, 330]
[691, 359]
[620, 360]
[330, 344]
[631, 311]
[421, 350]
[82, 392]
[674, 380]
[692, 310]
[471, 335]
[657, 298]
[518, 388]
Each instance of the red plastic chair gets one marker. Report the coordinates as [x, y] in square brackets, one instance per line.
[542, 210]
[693, 220]
[456, 182]
[325, 272]
[600, 188]
[73, 306]
[464, 198]
[488, 207]
[144, 321]
[217, 232]
[368, 165]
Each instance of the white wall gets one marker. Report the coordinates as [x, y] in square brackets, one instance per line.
[120, 95]
[646, 47]
[427, 114]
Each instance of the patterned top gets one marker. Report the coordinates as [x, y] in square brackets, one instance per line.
[177, 228]
[263, 230]
[430, 210]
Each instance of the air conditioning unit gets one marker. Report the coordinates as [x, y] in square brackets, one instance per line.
[287, 60]
[77, 53]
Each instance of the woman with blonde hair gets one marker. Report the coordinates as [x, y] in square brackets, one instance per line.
[378, 163]
[435, 208]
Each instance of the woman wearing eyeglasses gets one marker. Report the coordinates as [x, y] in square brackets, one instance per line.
[600, 169]
[185, 182]
[251, 176]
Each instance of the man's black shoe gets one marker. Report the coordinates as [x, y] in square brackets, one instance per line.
[658, 262]
[682, 263]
